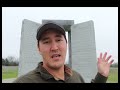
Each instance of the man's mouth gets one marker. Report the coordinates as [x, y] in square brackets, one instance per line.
[55, 55]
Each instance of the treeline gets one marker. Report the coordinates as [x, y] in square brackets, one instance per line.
[10, 61]
[114, 65]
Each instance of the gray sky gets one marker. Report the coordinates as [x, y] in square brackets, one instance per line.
[105, 24]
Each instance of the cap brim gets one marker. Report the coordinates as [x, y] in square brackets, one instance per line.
[47, 26]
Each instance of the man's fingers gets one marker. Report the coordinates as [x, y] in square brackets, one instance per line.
[100, 55]
[99, 60]
[111, 62]
[104, 56]
[108, 58]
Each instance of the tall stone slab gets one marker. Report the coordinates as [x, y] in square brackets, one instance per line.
[29, 55]
[84, 49]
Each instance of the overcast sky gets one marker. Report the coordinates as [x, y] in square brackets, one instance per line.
[105, 24]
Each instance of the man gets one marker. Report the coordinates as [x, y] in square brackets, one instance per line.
[52, 45]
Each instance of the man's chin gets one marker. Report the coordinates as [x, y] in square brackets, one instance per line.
[57, 66]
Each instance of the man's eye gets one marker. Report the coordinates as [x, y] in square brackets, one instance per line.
[59, 40]
[46, 42]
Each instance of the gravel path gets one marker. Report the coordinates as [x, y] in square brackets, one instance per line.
[8, 80]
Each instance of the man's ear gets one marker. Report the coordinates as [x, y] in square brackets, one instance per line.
[38, 49]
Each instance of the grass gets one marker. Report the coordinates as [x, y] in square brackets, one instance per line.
[113, 76]
[9, 72]
[12, 72]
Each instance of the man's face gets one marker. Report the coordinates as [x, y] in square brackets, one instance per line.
[53, 47]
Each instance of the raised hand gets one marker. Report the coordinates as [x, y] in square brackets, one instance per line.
[103, 64]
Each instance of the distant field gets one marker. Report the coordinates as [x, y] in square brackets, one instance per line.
[9, 72]
[113, 77]
[12, 72]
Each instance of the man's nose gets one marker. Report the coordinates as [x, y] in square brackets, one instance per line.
[54, 46]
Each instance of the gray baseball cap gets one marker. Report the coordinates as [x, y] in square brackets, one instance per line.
[50, 25]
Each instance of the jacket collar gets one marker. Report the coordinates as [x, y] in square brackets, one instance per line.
[46, 75]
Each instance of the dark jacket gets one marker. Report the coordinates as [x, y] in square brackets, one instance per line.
[41, 75]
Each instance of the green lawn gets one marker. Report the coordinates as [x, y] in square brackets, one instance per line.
[9, 72]
[113, 76]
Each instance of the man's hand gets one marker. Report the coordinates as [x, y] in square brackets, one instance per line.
[103, 64]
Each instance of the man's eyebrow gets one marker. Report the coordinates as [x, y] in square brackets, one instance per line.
[58, 35]
[45, 38]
